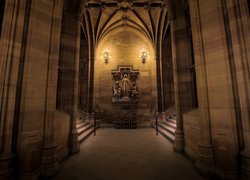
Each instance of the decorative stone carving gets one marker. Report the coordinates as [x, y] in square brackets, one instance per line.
[117, 92]
[125, 89]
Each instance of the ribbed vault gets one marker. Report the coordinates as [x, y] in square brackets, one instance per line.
[103, 17]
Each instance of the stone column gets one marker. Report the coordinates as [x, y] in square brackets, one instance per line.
[160, 108]
[49, 161]
[74, 143]
[91, 80]
[158, 56]
[179, 135]
[205, 161]
[91, 59]
[10, 52]
[240, 32]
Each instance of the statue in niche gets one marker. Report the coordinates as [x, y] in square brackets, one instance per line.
[124, 87]
[125, 84]
[117, 92]
[134, 92]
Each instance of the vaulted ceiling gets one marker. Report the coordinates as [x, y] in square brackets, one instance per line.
[104, 17]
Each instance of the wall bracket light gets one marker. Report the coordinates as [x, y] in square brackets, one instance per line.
[144, 55]
[106, 54]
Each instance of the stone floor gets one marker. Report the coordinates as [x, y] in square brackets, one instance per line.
[117, 154]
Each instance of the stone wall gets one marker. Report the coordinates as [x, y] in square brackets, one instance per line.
[38, 88]
[220, 72]
[31, 36]
[62, 134]
[125, 48]
[191, 131]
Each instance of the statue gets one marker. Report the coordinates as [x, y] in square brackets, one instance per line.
[116, 91]
[134, 92]
[125, 85]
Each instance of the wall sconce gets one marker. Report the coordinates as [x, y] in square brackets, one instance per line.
[144, 55]
[106, 55]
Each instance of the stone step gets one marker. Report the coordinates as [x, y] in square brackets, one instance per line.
[170, 129]
[166, 134]
[81, 124]
[171, 124]
[84, 128]
[172, 121]
[85, 135]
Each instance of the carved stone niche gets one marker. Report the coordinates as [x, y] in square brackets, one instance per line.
[125, 90]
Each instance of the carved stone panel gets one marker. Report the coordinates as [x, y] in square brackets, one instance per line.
[125, 89]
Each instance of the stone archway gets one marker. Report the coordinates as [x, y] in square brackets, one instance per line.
[36, 41]
[125, 47]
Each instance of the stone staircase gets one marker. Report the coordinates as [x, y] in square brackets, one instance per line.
[167, 128]
[84, 129]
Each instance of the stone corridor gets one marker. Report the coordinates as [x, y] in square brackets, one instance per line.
[127, 154]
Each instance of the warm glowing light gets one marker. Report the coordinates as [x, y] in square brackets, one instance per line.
[144, 55]
[106, 54]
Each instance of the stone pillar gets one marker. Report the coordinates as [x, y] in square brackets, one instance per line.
[159, 73]
[49, 161]
[91, 80]
[90, 65]
[10, 52]
[160, 108]
[74, 143]
[239, 28]
[179, 135]
[205, 161]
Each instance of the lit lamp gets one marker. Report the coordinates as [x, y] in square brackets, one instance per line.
[106, 55]
[144, 55]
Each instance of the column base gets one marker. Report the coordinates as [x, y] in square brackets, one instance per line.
[49, 161]
[245, 167]
[179, 142]
[6, 166]
[221, 174]
[205, 161]
[74, 146]
[29, 175]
